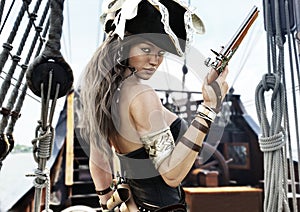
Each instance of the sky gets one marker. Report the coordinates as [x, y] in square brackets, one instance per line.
[221, 19]
[83, 33]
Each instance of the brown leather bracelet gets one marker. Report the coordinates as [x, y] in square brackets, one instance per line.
[105, 191]
[190, 144]
[200, 126]
[205, 118]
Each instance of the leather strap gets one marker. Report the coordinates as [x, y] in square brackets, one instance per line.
[208, 122]
[200, 126]
[190, 144]
[105, 191]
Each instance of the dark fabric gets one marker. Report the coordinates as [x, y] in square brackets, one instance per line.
[147, 186]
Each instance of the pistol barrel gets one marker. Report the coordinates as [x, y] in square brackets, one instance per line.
[228, 50]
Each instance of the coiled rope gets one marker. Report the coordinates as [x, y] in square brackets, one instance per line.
[42, 148]
[273, 136]
[272, 143]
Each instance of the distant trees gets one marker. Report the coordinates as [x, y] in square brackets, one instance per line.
[18, 148]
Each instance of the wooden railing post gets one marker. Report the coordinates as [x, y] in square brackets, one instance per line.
[70, 141]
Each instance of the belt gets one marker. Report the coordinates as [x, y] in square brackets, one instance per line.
[170, 208]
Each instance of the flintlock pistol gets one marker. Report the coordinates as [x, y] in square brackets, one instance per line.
[226, 53]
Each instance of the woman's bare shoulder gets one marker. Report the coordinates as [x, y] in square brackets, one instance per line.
[146, 110]
[144, 96]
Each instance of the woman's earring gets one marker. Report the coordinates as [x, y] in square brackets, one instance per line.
[120, 58]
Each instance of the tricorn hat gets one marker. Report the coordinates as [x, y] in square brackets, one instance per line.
[169, 24]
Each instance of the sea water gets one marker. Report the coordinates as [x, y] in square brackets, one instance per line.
[13, 181]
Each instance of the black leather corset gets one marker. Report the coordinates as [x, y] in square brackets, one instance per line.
[147, 186]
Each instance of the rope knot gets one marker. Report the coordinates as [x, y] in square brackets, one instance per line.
[272, 143]
[270, 81]
[42, 178]
[45, 145]
[42, 145]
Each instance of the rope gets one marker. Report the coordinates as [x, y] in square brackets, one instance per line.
[42, 149]
[42, 180]
[7, 82]
[293, 75]
[2, 3]
[7, 46]
[14, 115]
[272, 143]
[52, 48]
[15, 91]
[42, 145]
[273, 139]
[21, 98]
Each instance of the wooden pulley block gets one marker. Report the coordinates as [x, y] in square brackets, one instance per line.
[39, 72]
